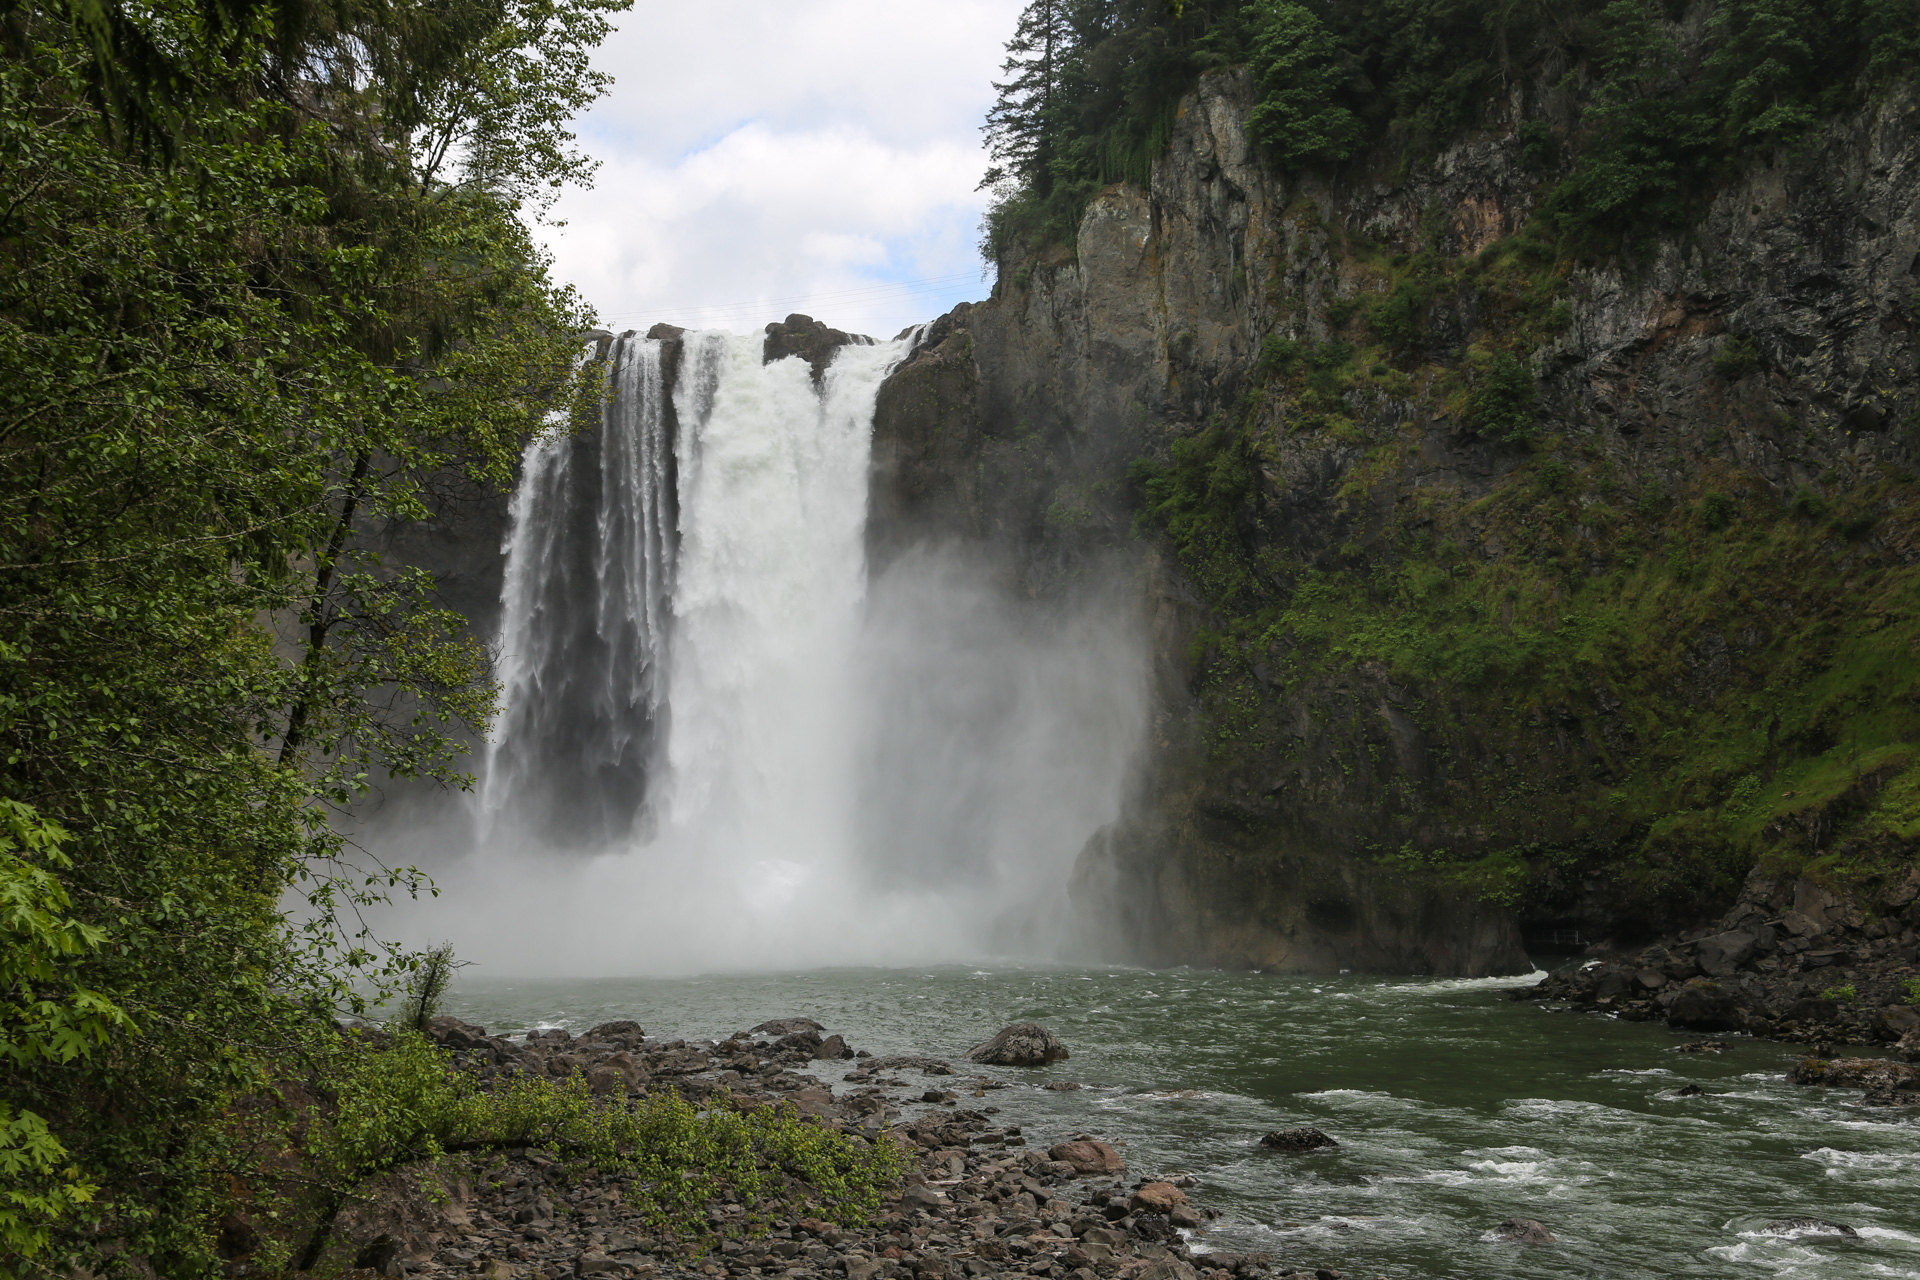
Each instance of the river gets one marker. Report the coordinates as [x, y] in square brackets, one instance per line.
[1454, 1105]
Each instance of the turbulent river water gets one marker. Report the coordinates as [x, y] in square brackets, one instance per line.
[1455, 1107]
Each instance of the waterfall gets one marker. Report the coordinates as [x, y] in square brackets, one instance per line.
[584, 619]
[722, 745]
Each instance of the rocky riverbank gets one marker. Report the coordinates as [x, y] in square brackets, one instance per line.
[1792, 960]
[980, 1198]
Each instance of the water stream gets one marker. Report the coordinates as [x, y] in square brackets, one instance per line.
[1455, 1107]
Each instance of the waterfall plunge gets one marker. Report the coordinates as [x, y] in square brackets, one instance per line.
[767, 760]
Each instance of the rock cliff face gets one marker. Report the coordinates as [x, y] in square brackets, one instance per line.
[1439, 683]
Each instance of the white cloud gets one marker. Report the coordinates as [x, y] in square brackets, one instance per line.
[768, 156]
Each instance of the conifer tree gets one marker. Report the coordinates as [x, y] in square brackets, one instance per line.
[1021, 124]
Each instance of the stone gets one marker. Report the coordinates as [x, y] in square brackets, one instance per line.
[834, 1047]
[786, 1027]
[1023, 1044]
[1724, 953]
[1303, 1139]
[1898, 1020]
[594, 1263]
[1524, 1231]
[1156, 1197]
[605, 1081]
[1704, 1008]
[922, 1195]
[1651, 979]
[625, 1034]
[1089, 1157]
[380, 1255]
[1804, 1227]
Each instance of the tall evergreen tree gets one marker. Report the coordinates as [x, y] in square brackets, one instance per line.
[1024, 118]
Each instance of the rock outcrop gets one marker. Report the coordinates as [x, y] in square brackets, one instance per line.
[1310, 801]
[1791, 960]
[1023, 1044]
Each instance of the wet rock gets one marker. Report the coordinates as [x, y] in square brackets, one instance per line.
[785, 1027]
[1524, 1231]
[1023, 1044]
[1303, 1139]
[1804, 1227]
[1089, 1157]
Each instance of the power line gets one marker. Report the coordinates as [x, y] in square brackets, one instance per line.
[883, 291]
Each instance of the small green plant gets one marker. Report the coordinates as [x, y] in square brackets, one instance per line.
[1736, 358]
[1911, 987]
[1279, 356]
[1539, 149]
[1504, 404]
[1716, 511]
[1808, 503]
[1744, 795]
[1844, 993]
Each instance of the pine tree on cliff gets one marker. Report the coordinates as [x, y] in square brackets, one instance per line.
[1023, 122]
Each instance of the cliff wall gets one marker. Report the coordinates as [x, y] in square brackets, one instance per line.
[1444, 650]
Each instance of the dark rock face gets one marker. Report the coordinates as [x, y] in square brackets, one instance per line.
[1306, 1139]
[1024, 1044]
[1255, 838]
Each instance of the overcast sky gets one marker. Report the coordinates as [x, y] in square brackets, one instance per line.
[761, 157]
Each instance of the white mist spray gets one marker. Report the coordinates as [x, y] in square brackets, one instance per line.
[845, 778]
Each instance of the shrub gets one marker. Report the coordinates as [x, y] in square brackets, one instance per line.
[1912, 988]
[1844, 993]
[1279, 356]
[1716, 511]
[1736, 358]
[1503, 406]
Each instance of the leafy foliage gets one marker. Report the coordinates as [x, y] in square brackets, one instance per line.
[1502, 404]
[220, 362]
[400, 1102]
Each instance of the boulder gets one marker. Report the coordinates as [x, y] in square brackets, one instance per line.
[1024, 1044]
[1900, 1020]
[1804, 1227]
[606, 1081]
[1704, 1008]
[625, 1034]
[1524, 1231]
[1651, 979]
[1156, 1197]
[1304, 1139]
[1724, 953]
[786, 1027]
[1089, 1158]
[833, 1047]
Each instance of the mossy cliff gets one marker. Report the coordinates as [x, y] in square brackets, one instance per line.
[1493, 580]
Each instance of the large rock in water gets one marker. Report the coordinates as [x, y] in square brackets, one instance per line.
[1024, 1044]
[1088, 1156]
